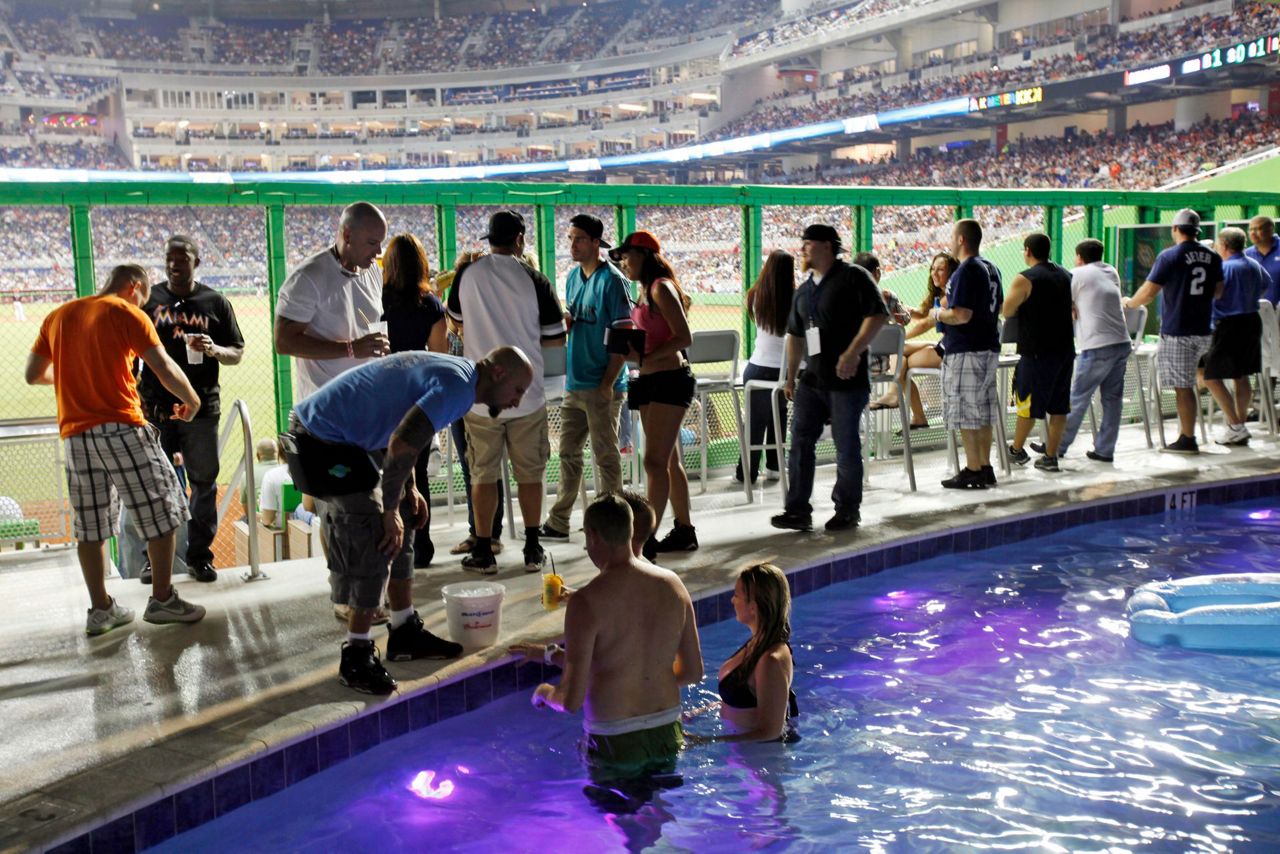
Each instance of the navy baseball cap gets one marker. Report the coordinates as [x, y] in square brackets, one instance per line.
[504, 227]
[593, 227]
[824, 233]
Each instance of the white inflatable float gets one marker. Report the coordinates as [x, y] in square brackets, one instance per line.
[1217, 613]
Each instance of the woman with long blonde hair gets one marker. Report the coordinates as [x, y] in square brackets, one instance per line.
[756, 700]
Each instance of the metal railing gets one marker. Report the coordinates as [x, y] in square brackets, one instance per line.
[245, 471]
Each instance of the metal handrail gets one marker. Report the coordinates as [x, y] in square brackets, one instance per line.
[245, 469]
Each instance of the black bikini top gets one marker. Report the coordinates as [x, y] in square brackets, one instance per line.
[736, 693]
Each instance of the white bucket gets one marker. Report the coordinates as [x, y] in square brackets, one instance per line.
[474, 609]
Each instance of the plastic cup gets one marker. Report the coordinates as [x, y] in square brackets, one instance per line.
[551, 587]
[194, 357]
[378, 327]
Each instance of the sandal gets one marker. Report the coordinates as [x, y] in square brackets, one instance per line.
[880, 404]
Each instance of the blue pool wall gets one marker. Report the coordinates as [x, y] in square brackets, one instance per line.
[138, 828]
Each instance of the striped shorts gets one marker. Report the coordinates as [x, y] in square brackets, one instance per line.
[1177, 358]
[969, 399]
[114, 464]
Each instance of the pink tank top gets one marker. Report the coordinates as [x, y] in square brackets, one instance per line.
[656, 330]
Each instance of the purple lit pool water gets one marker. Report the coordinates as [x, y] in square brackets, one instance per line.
[990, 700]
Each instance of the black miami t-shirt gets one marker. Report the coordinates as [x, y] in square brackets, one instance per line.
[974, 285]
[204, 311]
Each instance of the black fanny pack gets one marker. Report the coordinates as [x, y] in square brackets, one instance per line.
[322, 469]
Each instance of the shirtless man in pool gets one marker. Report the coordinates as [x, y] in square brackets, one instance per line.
[631, 641]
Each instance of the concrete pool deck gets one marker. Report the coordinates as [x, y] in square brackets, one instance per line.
[98, 727]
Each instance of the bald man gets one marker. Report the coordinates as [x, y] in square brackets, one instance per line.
[390, 408]
[329, 303]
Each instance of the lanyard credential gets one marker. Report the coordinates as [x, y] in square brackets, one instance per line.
[812, 335]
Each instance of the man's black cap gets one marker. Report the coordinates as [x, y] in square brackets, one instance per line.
[593, 227]
[504, 228]
[824, 233]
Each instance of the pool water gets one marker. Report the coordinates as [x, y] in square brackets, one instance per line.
[990, 700]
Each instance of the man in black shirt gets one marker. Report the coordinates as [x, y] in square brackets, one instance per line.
[198, 329]
[835, 314]
[1040, 297]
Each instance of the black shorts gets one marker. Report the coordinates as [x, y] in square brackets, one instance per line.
[674, 387]
[1042, 385]
[1236, 347]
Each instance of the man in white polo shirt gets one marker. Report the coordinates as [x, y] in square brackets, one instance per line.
[501, 301]
[329, 303]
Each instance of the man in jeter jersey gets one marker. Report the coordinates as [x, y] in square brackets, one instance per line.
[1188, 276]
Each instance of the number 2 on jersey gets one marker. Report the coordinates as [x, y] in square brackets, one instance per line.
[1198, 275]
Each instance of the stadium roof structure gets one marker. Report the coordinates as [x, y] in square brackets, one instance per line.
[275, 9]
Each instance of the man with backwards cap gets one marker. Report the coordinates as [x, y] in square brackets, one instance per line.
[596, 293]
[1188, 276]
[835, 314]
[500, 300]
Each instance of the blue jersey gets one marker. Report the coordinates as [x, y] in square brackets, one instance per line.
[1271, 263]
[974, 285]
[595, 304]
[1244, 283]
[1188, 275]
[364, 405]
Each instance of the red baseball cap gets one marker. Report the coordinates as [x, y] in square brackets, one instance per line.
[636, 240]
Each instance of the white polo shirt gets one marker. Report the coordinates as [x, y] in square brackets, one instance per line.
[501, 302]
[336, 305]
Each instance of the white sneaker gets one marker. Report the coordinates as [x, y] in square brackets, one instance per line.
[1234, 435]
[771, 474]
[102, 620]
[435, 462]
[175, 609]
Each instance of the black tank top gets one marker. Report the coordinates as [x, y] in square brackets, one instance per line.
[1044, 320]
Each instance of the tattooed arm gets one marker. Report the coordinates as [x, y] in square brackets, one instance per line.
[409, 440]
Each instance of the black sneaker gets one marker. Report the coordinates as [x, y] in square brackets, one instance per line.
[1184, 445]
[649, 551]
[792, 521]
[362, 671]
[412, 640]
[989, 475]
[843, 521]
[202, 572]
[1037, 447]
[1094, 455]
[549, 533]
[681, 538]
[485, 564]
[967, 479]
[1019, 456]
[534, 558]
[1047, 463]
[145, 575]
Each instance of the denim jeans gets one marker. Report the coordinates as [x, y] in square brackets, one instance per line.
[1102, 367]
[813, 408]
[761, 427]
[198, 442]
[460, 450]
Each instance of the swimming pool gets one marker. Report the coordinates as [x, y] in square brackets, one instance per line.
[988, 700]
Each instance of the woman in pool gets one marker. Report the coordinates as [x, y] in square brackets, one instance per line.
[757, 703]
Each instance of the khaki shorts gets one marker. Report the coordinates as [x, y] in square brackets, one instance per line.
[525, 439]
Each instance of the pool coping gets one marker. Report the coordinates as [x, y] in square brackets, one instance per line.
[310, 743]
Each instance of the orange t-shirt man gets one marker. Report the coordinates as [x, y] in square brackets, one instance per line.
[92, 343]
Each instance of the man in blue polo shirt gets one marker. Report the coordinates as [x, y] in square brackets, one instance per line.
[391, 408]
[1235, 352]
[971, 352]
[1188, 277]
[1266, 251]
[595, 384]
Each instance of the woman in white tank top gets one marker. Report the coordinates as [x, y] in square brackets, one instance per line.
[769, 304]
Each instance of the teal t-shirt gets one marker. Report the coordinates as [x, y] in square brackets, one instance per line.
[595, 304]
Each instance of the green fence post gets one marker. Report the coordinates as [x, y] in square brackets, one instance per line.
[82, 250]
[1148, 215]
[863, 216]
[624, 221]
[1248, 211]
[1095, 222]
[962, 212]
[447, 234]
[276, 273]
[752, 260]
[1053, 228]
[544, 217]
